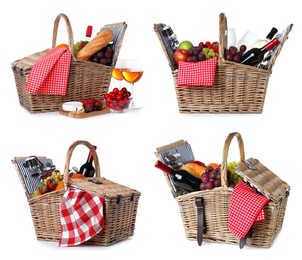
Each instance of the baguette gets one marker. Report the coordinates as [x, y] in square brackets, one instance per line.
[96, 44]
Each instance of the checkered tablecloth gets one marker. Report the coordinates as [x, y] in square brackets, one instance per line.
[200, 73]
[81, 216]
[246, 207]
[49, 75]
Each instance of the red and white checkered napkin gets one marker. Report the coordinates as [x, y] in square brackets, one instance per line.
[246, 207]
[81, 216]
[49, 75]
[200, 73]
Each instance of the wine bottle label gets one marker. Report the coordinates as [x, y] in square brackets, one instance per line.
[178, 176]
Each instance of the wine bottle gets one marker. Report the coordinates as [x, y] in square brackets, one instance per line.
[80, 44]
[255, 56]
[181, 178]
[261, 42]
[87, 168]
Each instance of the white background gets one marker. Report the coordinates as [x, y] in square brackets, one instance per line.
[127, 141]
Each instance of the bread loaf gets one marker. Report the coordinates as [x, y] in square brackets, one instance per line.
[96, 44]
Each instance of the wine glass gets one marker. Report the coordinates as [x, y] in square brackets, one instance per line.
[117, 71]
[232, 39]
[132, 74]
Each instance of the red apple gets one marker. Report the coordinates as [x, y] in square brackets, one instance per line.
[180, 55]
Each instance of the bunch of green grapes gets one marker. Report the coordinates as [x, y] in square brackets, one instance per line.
[234, 177]
[79, 45]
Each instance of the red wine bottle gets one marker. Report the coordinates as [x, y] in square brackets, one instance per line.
[255, 55]
[87, 168]
[181, 178]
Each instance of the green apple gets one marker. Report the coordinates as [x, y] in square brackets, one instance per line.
[187, 45]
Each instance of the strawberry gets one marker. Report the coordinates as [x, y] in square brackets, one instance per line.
[97, 105]
[51, 184]
[42, 188]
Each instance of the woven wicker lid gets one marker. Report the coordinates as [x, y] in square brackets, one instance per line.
[263, 179]
[104, 187]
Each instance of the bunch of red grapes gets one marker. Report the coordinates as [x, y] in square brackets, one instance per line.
[234, 54]
[211, 178]
[103, 56]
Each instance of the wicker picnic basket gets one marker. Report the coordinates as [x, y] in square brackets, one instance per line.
[86, 79]
[120, 207]
[238, 88]
[205, 213]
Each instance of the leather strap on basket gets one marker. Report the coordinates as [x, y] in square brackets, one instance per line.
[68, 157]
[201, 225]
[69, 32]
[224, 181]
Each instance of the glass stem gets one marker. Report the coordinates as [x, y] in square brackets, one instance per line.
[132, 94]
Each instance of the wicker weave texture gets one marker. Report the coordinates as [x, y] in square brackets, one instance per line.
[120, 206]
[216, 206]
[86, 79]
[238, 88]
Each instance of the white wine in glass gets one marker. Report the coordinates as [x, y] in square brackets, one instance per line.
[132, 74]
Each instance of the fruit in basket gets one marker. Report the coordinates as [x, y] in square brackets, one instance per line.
[51, 184]
[79, 45]
[201, 52]
[234, 178]
[95, 45]
[195, 168]
[42, 188]
[185, 45]
[60, 185]
[36, 193]
[103, 56]
[211, 178]
[180, 55]
[62, 45]
[234, 54]
[214, 165]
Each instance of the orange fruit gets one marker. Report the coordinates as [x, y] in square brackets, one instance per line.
[62, 45]
[60, 185]
[77, 175]
[214, 165]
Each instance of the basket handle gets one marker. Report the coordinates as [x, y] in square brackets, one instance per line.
[223, 39]
[68, 157]
[224, 181]
[69, 32]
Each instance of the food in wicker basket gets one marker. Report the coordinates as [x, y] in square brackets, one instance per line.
[84, 77]
[205, 213]
[237, 88]
[120, 205]
[96, 44]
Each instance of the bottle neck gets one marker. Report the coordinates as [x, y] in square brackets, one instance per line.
[163, 167]
[90, 156]
[270, 45]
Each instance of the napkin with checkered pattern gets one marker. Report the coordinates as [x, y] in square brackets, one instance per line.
[200, 73]
[81, 216]
[246, 207]
[49, 75]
